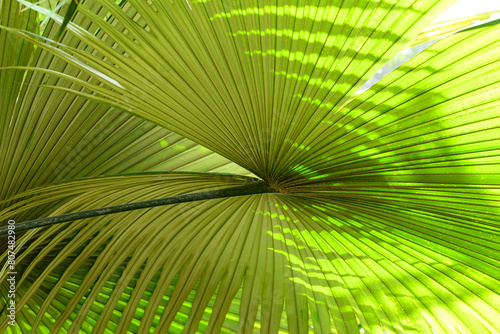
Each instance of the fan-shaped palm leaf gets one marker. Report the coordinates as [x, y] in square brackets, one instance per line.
[382, 212]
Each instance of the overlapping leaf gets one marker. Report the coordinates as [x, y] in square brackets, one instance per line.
[441, 29]
[49, 136]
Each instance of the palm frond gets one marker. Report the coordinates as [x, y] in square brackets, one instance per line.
[50, 135]
[440, 29]
[208, 65]
[386, 217]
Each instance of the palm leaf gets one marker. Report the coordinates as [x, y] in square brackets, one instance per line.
[440, 29]
[79, 137]
[386, 216]
[216, 90]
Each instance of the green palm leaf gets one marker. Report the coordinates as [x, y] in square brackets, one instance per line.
[440, 29]
[386, 217]
[77, 134]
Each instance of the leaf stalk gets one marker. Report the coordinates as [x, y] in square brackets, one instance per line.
[255, 188]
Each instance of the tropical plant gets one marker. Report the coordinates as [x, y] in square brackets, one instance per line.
[310, 206]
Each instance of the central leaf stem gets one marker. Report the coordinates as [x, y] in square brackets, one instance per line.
[260, 187]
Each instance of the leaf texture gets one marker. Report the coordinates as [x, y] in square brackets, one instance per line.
[49, 136]
[257, 77]
[386, 218]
